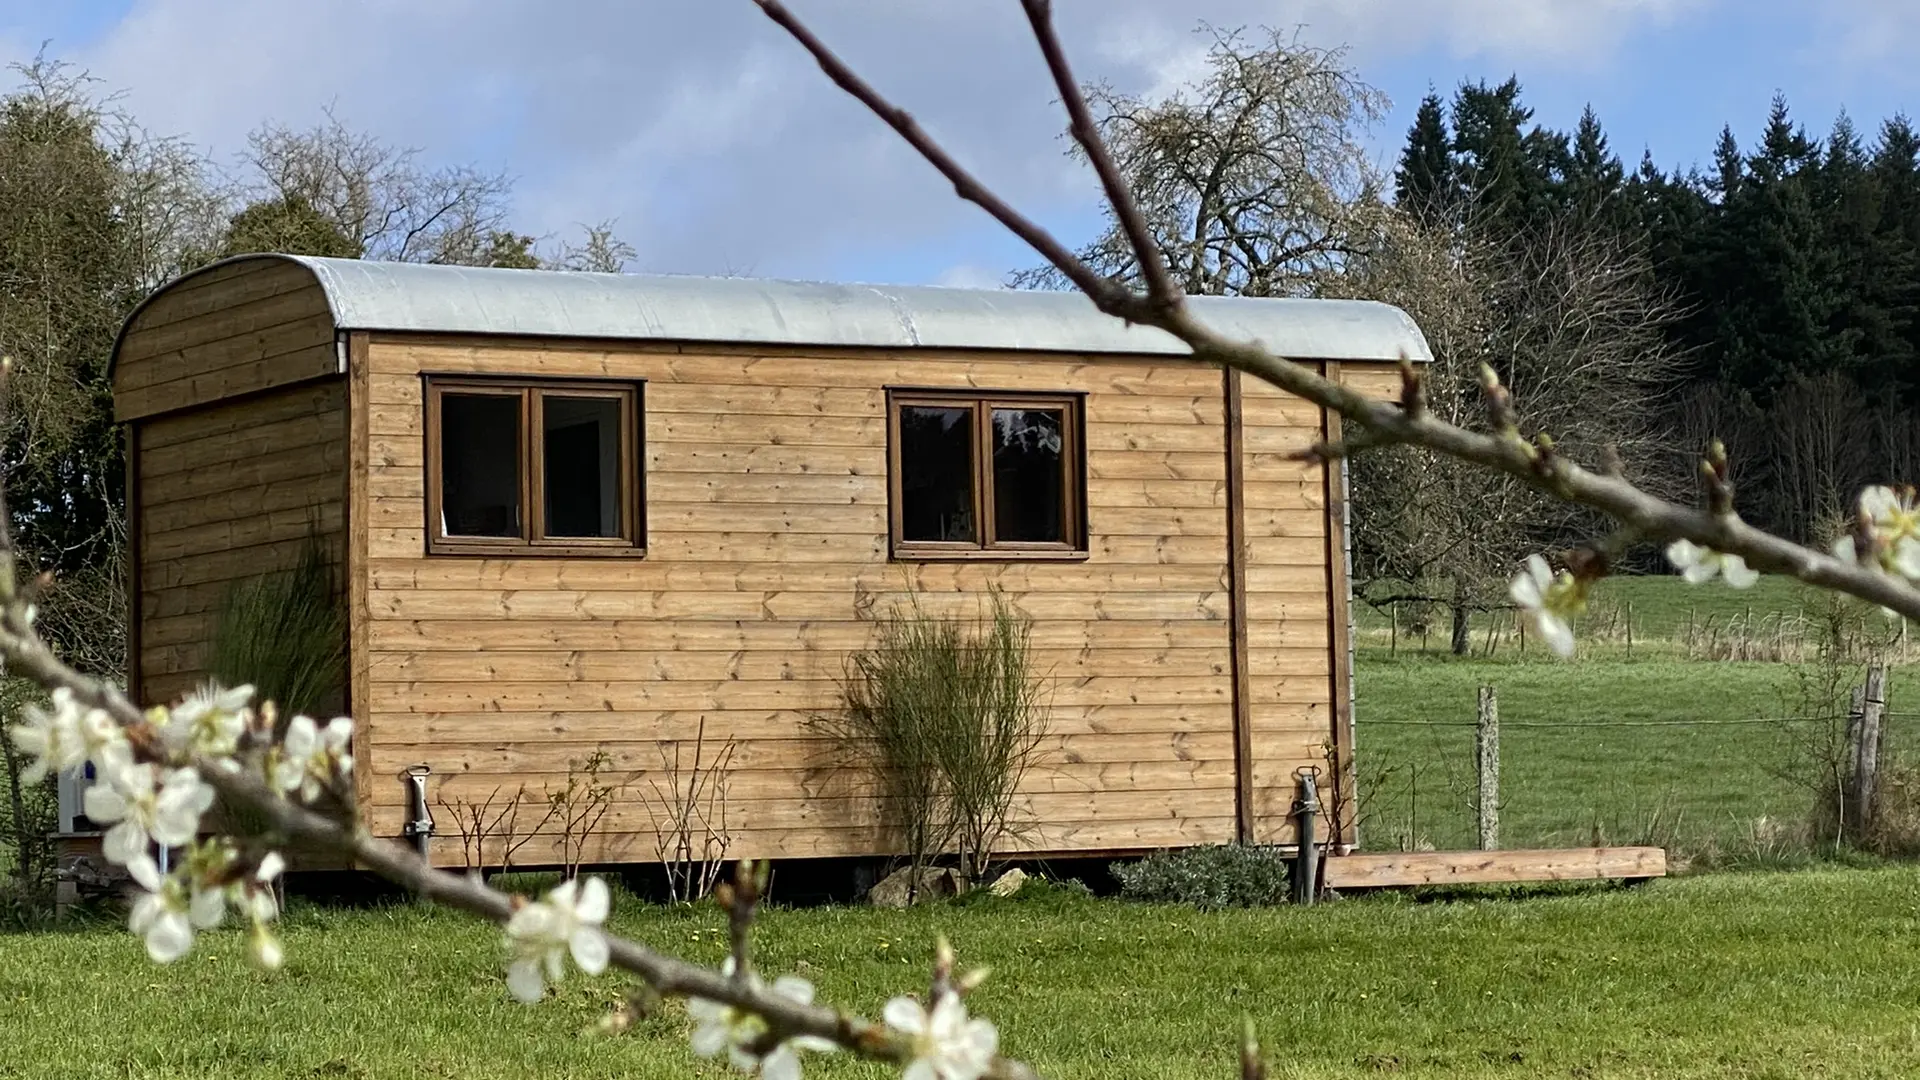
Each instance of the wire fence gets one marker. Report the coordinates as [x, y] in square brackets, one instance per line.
[1708, 788]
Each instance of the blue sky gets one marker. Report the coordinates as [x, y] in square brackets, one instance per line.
[719, 149]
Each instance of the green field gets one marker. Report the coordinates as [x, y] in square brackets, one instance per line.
[1728, 975]
[1649, 742]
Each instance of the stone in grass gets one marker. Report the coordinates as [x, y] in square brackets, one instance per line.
[1008, 883]
[895, 891]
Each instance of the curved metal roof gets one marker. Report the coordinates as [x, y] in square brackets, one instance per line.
[532, 303]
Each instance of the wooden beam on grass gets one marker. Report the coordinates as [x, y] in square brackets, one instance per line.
[1386, 869]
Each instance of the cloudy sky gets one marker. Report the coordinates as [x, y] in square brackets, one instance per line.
[717, 147]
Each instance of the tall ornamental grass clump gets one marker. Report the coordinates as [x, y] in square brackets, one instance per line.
[947, 716]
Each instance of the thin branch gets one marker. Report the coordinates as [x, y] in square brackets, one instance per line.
[1161, 289]
[965, 185]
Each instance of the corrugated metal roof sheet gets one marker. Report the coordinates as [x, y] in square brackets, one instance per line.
[470, 300]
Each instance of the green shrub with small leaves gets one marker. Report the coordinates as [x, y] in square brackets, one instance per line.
[1210, 877]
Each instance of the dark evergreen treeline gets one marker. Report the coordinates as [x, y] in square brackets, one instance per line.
[1792, 263]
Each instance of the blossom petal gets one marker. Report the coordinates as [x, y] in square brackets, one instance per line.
[782, 1064]
[1844, 549]
[1879, 502]
[589, 948]
[104, 804]
[1525, 591]
[1555, 632]
[524, 981]
[794, 988]
[905, 1015]
[145, 871]
[711, 1036]
[207, 908]
[300, 738]
[1684, 553]
[169, 938]
[1906, 557]
[267, 951]
[594, 902]
[1736, 572]
[983, 1039]
[124, 842]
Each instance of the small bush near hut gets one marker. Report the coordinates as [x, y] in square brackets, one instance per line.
[1209, 878]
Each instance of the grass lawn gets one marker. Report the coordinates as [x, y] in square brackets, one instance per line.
[1620, 746]
[1732, 975]
[1586, 774]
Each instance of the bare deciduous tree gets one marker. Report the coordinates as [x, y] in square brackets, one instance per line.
[1569, 314]
[380, 197]
[1249, 179]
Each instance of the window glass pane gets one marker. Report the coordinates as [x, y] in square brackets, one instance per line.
[582, 481]
[1029, 475]
[480, 464]
[936, 473]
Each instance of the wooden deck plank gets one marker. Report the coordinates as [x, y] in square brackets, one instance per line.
[1381, 869]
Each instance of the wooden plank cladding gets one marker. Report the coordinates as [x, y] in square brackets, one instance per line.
[766, 501]
[1387, 869]
[237, 329]
[1172, 547]
[214, 510]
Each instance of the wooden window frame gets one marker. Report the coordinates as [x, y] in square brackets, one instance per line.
[532, 543]
[988, 547]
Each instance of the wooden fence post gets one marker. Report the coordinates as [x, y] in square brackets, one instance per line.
[1486, 755]
[1865, 732]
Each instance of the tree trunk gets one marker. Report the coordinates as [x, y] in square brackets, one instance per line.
[1462, 639]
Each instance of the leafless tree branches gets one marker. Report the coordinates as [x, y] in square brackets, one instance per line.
[1251, 181]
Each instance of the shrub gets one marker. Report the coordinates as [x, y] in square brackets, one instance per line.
[286, 633]
[946, 716]
[1211, 877]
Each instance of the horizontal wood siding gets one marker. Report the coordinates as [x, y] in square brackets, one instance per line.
[767, 562]
[237, 329]
[1287, 600]
[228, 492]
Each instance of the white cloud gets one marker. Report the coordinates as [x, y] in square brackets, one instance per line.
[971, 276]
[706, 132]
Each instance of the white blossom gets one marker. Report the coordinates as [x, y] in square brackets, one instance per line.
[1901, 556]
[1550, 602]
[168, 911]
[946, 1045]
[255, 898]
[143, 813]
[1701, 564]
[719, 1026]
[210, 721]
[67, 736]
[1889, 533]
[161, 914]
[310, 757]
[1889, 514]
[541, 934]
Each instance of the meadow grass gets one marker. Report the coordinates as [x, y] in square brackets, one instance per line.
[1625, 745]
[1730, 975]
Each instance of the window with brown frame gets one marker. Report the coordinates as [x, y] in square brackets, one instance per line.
[984, 474]
[518, 467]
